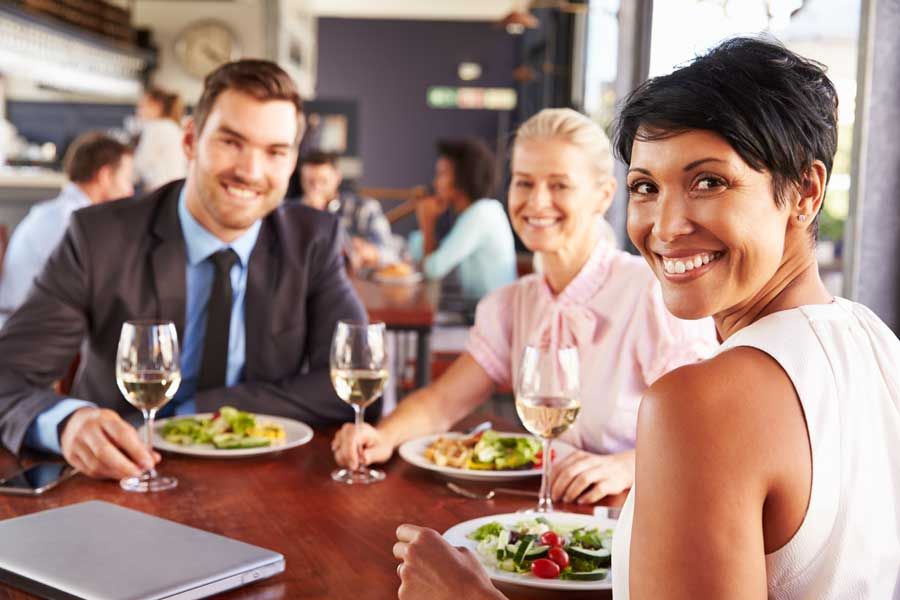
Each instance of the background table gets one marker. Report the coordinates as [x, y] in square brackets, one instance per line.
[336, 538]
[404, 308]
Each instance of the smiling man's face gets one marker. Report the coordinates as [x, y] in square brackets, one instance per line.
[241, 162]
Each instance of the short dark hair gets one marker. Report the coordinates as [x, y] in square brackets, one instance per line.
[777, 109]
[261, 79]
[89, 153]
[319, 157]
[474, 170]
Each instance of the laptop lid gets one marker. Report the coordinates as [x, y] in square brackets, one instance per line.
[102, 551]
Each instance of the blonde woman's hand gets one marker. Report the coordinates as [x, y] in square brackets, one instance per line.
[367, 443]
[587, 478]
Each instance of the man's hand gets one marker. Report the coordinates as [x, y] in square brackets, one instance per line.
[99, 443]
[367, 443]
[366, 253]
[587, 478]
[434, 569]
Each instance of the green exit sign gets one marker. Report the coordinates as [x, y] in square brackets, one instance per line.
[471, 98]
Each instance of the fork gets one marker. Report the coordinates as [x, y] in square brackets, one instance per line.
[609, 512]
[458, 489]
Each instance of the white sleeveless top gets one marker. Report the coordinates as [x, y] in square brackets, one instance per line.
[844, 363]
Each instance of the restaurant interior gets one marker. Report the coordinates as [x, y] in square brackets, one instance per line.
[394, 93]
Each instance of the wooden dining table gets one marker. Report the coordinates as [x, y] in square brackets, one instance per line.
[411, 308]
[336, 539]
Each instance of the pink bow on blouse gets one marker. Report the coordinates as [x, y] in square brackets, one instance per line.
[570, 325]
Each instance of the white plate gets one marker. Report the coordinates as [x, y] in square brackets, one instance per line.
[413, 452]
[296, 434]
[456, 535]
[411, 279]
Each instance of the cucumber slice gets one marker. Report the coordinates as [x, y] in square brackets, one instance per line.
[233, 441]
[503, 538]
[522, 550]
[599, 557]
[536, 552]
[507, 565]
[595, 575]
[599, 554]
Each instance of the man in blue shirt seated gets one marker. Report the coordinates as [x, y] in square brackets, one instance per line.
[254, 288]
[369, 238]
[100, 169]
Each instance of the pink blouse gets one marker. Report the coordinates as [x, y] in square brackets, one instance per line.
[613, 312]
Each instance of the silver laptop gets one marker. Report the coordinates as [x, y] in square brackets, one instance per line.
[101, 551]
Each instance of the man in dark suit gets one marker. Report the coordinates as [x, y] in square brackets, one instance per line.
[254, 288]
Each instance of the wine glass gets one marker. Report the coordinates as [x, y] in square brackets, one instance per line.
[358, 372]
[148, 372]
[547, 401]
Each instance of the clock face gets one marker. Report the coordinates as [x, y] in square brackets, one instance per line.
[204, 46]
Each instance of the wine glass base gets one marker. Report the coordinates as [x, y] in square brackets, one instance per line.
[144, 484]
[363, 476]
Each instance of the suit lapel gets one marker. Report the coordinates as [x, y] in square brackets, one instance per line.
[169, 259]
[262, 279]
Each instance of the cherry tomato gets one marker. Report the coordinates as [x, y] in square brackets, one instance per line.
[545, 569]
[559, 556]
[550, 538]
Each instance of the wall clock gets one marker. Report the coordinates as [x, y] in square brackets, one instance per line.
[205, 45]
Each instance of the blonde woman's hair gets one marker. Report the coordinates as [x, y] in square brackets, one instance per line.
[573, 127]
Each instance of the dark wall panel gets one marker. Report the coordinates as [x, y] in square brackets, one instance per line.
[388, 66]
[61, 122]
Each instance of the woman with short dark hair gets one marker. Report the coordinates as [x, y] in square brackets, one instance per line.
[773, 468]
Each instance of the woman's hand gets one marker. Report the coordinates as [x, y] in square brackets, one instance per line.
[586, 478]
[428, 210]
[367, 443]
[434, 569]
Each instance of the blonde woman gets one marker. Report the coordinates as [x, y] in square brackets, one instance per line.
[602, 300]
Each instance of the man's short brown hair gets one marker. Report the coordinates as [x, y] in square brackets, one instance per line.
[318, 157]
[261, 79]
[89, 153]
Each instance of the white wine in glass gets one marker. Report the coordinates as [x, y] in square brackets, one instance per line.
[148, 371]
[360, 387]
[547, 401]
[547, 416]
[358, 373]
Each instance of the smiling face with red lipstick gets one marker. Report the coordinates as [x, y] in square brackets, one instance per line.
[708, 224]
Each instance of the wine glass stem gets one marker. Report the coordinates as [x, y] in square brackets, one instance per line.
[545, 504]
[149, 416]
[360, 466]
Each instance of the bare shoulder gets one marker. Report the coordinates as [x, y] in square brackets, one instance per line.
[729, 401]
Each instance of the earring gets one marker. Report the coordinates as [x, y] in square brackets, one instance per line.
[801, 218]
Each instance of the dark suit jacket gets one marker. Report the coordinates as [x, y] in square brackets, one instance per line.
[126, 260]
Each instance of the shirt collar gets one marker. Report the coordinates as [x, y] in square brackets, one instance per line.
[589, 279]
[200, 243]
[75, 195]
